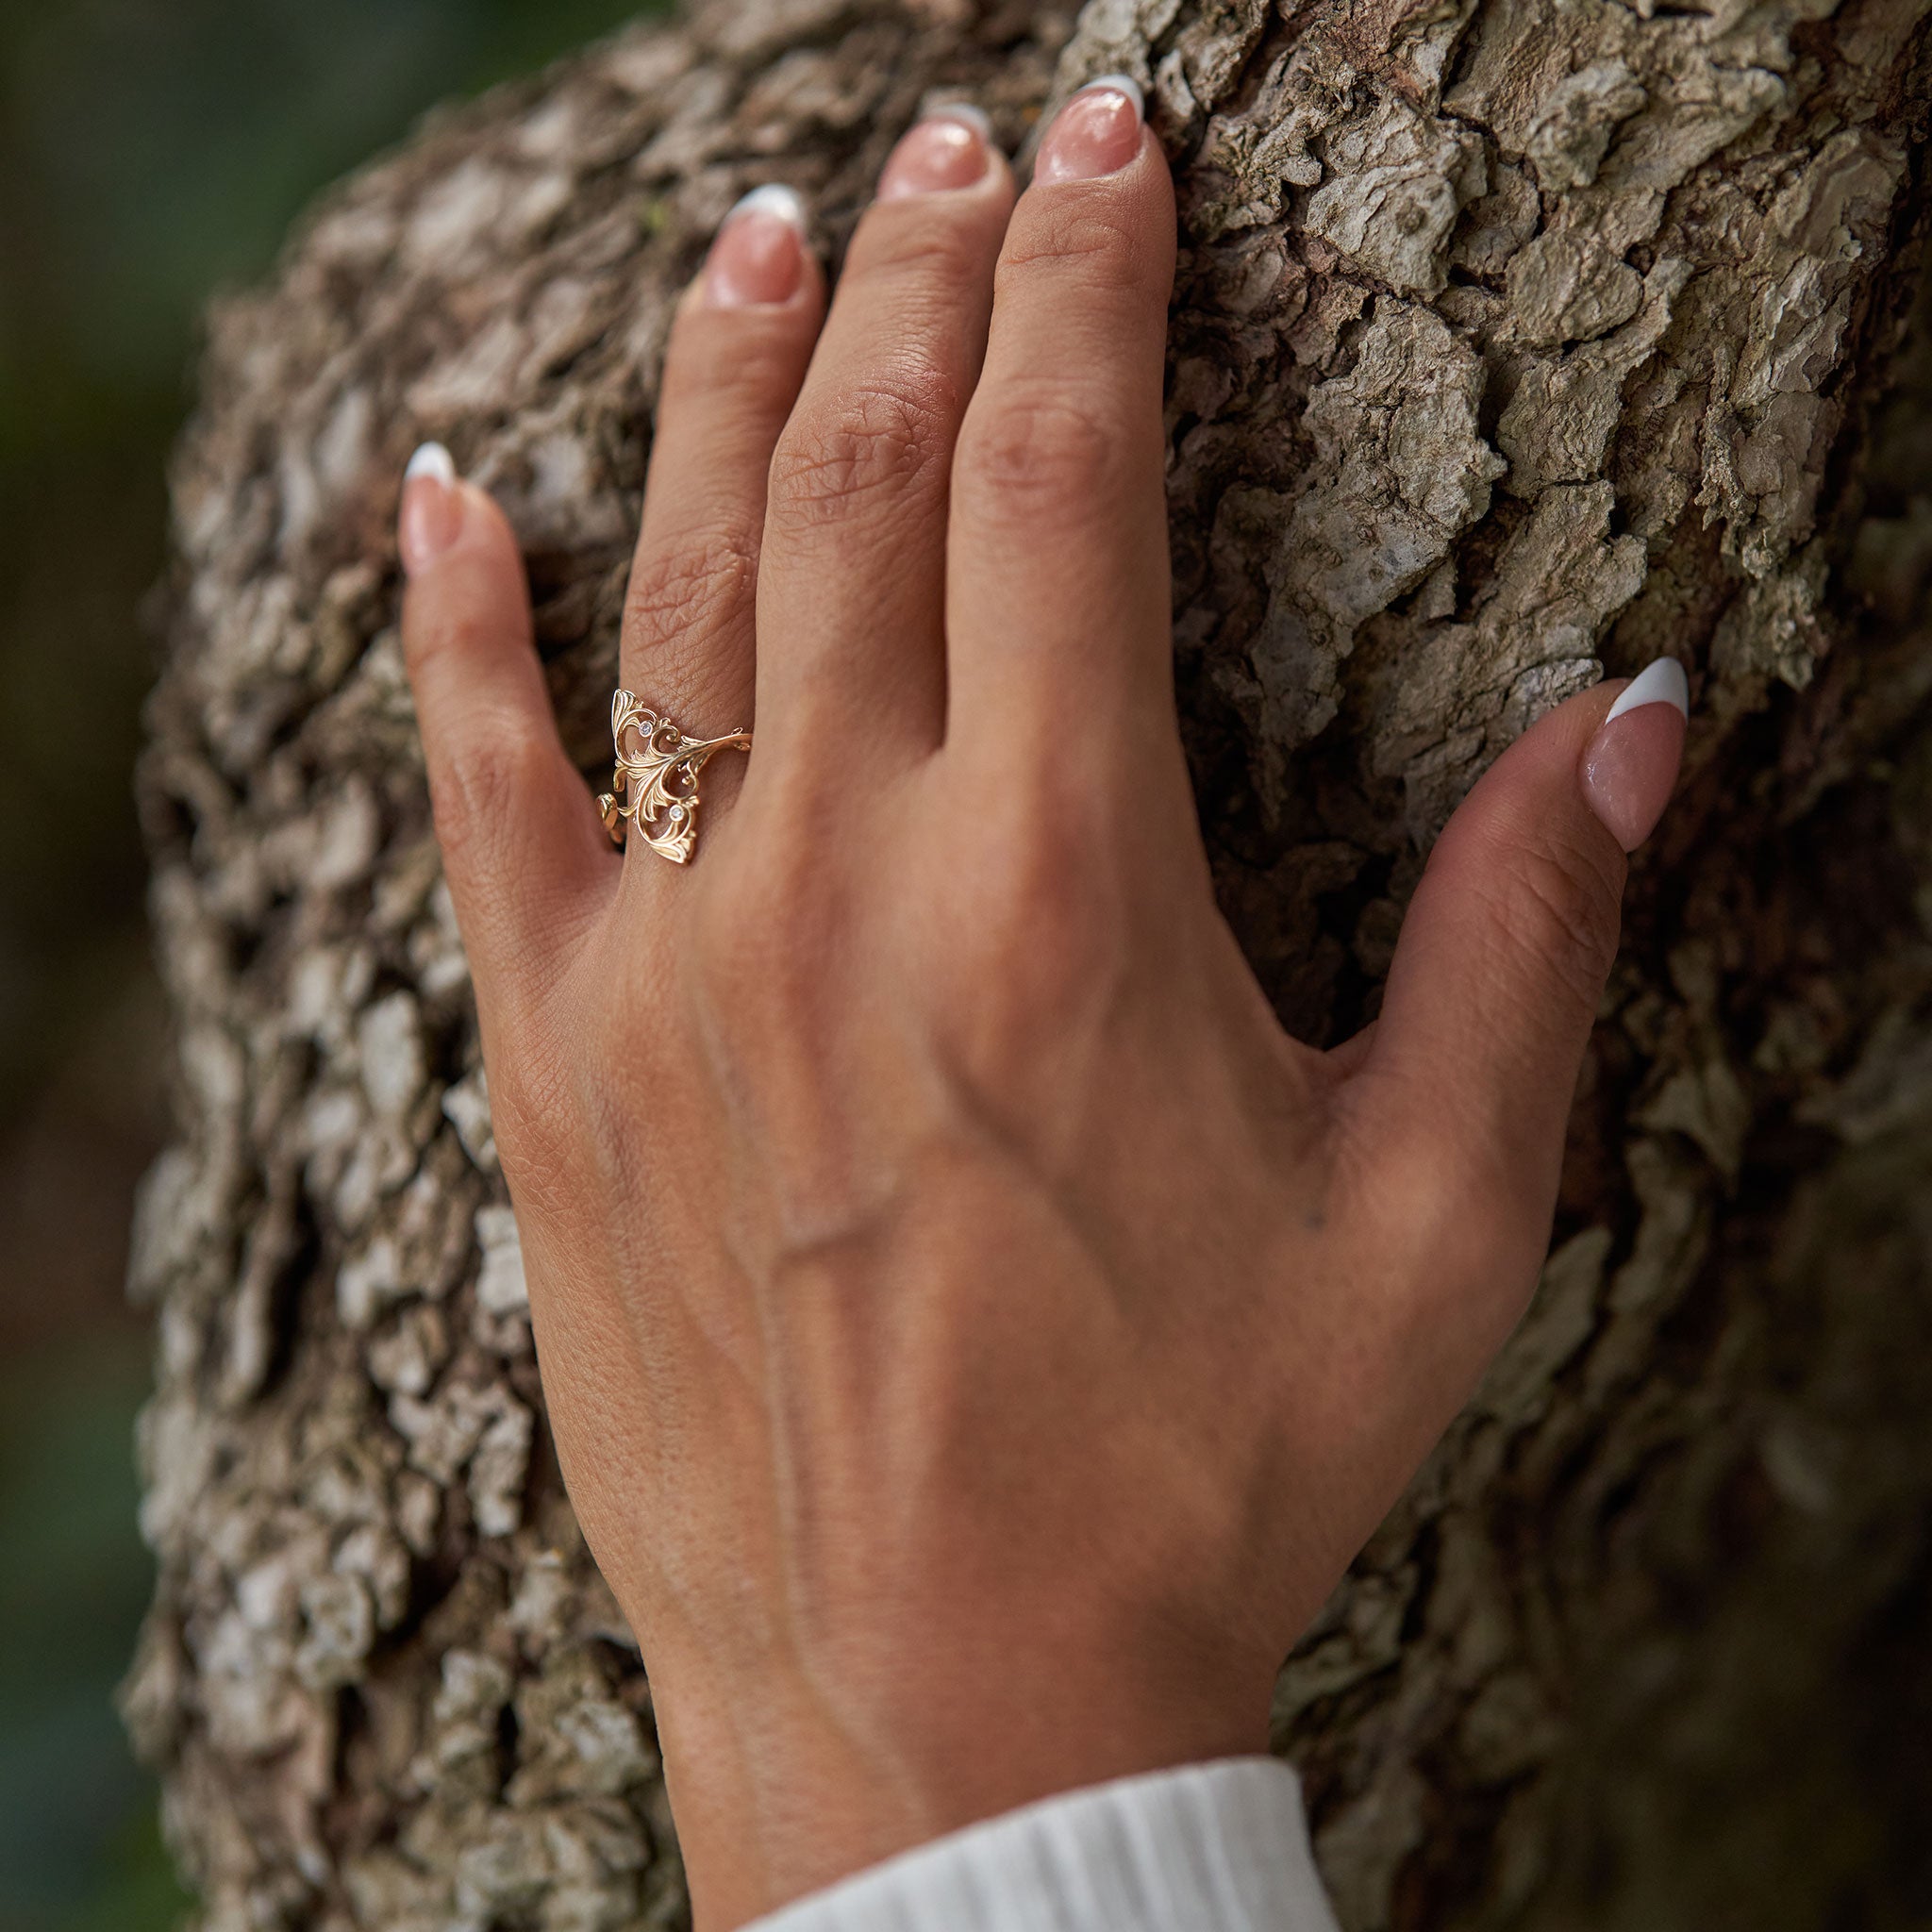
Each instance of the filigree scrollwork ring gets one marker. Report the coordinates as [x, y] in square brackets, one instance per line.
[656, 787]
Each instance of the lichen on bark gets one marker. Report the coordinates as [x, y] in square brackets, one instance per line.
[1512, 341]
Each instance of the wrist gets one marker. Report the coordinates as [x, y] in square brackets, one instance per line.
[783, 1789]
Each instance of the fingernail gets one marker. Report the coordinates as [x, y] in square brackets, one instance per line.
[432, 508]
[1631, 767]
[947, 149]
[759, 258]
[973, 117]
[1096, 133]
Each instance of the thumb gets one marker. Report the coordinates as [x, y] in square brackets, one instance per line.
[1512, 932]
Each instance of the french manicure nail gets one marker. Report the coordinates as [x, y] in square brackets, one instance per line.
[948, 149]
[432, 508]
[1629, 768]
[1096, 133]
[759, 258]
[966, 111]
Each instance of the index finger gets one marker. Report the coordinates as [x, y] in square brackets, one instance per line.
[1057, 551]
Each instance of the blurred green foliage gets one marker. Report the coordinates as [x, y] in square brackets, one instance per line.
[151, 151]
[78, 1843]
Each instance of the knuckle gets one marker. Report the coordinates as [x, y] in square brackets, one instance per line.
[724, 354]
[691, 587]
[1036, 451]
[1443, 1221]
[901, 246]
[1558, 913]
[835, 459]
[479, 787]
[1041, 943]
[1452, 1207]
[531, 1116]
[1045, 896]
[441, 637]
[1089, 239]
[766, 980]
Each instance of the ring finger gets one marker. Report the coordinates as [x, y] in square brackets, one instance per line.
[739, 347]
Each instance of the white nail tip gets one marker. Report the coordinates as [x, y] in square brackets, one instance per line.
[1661, 683]
[431, 459]
[1122, 84]
[965, 111]
[774, 198]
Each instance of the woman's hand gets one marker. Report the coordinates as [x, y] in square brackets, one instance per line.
[977, 1337]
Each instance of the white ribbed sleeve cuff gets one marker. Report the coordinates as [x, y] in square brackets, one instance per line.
[1208, 1848]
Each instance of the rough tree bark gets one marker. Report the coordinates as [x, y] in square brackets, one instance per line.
[1514, 340]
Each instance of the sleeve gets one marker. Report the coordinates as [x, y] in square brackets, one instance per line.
[1216, 1847]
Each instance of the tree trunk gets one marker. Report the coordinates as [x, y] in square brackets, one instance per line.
[1513, 341]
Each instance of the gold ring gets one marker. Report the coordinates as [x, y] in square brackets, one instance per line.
[655, 786]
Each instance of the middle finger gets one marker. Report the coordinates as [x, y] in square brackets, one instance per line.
[851, 576]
